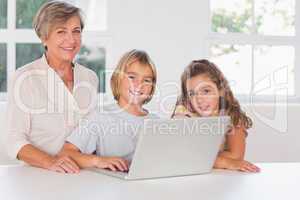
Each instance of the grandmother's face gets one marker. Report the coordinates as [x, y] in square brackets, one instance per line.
[64, 40]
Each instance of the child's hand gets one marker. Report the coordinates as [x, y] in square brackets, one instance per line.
[242, 165]
[112, 163]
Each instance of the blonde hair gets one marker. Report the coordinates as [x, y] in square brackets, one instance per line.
[127, 59]
[52, 13]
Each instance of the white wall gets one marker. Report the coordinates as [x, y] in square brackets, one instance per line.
[172, 32]
[2, 129]
[275, 134]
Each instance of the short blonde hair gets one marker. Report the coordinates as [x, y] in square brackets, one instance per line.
[52, 13]
[126, 60]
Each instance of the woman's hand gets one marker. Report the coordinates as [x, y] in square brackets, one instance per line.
[112, 163]
[242, 165]
[233, 164]
[63, 164]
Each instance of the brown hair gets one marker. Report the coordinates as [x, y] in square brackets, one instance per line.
[126, 60]
[52, 13]
[227, 101]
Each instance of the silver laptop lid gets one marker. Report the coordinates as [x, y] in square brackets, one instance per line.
[174, 147]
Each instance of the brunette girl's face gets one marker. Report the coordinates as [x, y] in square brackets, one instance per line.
[203, 95]
[136, 84]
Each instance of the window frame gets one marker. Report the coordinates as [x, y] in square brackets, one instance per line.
[254, 39]
[12, 35]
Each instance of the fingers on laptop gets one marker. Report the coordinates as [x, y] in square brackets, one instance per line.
[113, 163]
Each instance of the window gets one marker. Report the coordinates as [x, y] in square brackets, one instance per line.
[94, 11]
[3, 14]
[26, 9]
[94, 58]
[90, 56]
[254, 44]
[27, 52]
[2, 67]
[19, 44]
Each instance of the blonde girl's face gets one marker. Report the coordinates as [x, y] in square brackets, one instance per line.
[203, 95]
[136, 83]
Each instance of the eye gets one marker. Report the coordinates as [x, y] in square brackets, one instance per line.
[148, 81]
[77, 31]
[131, 76]
[206, 91]
[60, 32]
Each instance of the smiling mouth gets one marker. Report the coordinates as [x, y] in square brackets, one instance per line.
[204, 108]
[135, 93]
[68, 48]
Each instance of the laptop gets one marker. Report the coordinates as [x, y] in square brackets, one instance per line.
[175, 147]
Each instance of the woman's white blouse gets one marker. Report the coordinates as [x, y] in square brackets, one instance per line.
[41, 109]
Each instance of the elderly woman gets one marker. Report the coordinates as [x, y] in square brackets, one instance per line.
[48, 96]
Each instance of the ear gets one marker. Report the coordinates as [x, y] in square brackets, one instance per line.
[44, 43]
[46, 48]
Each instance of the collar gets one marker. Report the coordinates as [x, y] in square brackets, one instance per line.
[43, 59]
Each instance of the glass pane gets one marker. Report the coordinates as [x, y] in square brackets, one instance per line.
[231, 16]
[235, 63]
[274, 69]
[275, 17]
[3, 64]
[27, 52]
[94, 13]
[93, 57]
[26, 10]
[3, 13]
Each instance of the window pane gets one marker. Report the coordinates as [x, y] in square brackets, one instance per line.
[3, 13]
[93, 57]
[89, 56]
[26, 53]
[3, 64]
[235, 63]
[94, 13]
[273, 69]
[26, 10]
[275, 17]
[231, 16]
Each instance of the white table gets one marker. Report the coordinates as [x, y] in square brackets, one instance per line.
[276, 181]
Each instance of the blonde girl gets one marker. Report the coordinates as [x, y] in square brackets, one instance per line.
[107, 139]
